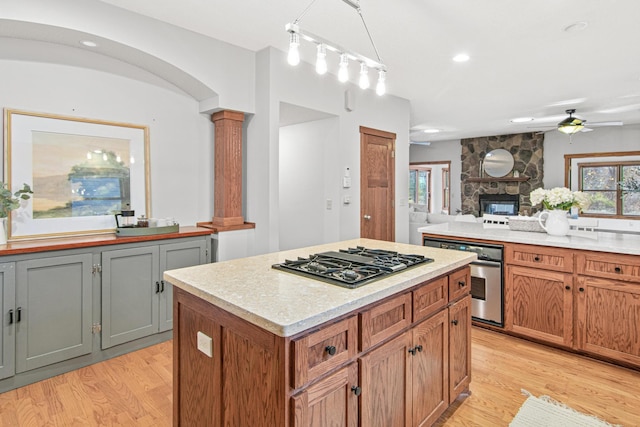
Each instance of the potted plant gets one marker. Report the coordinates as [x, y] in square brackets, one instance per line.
[9, 202]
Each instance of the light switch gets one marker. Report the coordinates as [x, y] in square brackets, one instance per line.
[205, 344]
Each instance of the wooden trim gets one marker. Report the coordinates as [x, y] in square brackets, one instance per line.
[377, 132]
[569, 157]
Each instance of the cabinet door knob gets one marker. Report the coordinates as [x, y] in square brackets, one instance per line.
[618, 269]
[412, 351]
[356, 390]
[367, 217]
[536, 258]
[419, 348]
[454, 322]
[331, 349]
[567, 287]
[581, 289]
[462, 284]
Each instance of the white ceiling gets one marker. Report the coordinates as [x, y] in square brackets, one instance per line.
[523, 62]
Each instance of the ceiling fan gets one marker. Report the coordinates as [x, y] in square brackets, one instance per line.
[572, 125]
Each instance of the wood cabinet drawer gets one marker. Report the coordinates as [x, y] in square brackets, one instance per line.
[459, 283]
[548, 258]
[430, 298]
[384, 320]
[323, 350]
[618, 266]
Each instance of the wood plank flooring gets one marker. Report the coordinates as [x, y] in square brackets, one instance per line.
[135, 389]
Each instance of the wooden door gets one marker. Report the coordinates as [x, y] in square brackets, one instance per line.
[429, 374]
[459, 347]
[383, 378]
[541, 304]
[330, 402]
[377, 184]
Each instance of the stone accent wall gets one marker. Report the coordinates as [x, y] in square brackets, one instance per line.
[527, 150]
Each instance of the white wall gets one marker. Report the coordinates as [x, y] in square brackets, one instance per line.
[442, 151]
[307, 177]
[278, 82]
[180, 137]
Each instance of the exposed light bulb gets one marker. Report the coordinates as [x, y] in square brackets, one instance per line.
[89, 155]
[294, 54]
[321, 59]
[343, 70]
[364, 78]
[381, 87]
[104, 156]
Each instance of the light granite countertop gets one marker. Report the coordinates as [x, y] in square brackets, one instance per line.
[620, 243]
[286, 303]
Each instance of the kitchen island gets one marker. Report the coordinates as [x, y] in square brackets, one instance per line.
[579, 292]
[258, 346]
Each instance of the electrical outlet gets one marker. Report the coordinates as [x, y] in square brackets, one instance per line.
[205, 344]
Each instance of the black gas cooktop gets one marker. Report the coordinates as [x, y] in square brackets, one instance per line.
[353, 267]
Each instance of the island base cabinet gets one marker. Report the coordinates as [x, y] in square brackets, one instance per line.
[240, 384]
[609, 318]
[459, 347]
[330, 402]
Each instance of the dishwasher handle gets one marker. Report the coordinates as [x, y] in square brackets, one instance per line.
[487, 263]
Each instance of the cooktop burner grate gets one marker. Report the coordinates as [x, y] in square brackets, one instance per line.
[352, 267]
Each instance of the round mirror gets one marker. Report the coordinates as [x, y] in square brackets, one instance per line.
[498, 163]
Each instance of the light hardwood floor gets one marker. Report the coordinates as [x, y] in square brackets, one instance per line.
[135, 389]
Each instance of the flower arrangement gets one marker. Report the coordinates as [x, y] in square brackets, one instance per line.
[9, 202]
[559, 198]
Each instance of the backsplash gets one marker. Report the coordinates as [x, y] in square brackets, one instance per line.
[527, 150]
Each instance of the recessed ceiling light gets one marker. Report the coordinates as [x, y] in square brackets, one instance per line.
[576, 26]
[521, 119]
[461, 57]
[431, 130]
[88, 43]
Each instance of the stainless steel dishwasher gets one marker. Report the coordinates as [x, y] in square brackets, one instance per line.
[486, 278]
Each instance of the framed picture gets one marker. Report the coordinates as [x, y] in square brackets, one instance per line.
[82, 172]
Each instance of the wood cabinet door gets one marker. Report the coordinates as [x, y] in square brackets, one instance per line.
[330, 402]
[459, 347]
[383, 379]
[53, 310]
[609, 318]
[7, 321]
[540, 304]
[429, 396]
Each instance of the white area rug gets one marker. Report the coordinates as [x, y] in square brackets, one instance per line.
[543, 411]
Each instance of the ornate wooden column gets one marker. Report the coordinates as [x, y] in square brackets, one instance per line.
[227, 201]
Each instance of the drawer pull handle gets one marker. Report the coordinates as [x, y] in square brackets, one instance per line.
[568, 287]
[331, 349]
[161, 285]
[618, 269]
[18, 314]
[356, 390]
[157, 287]
[11, 317]
[462, 284]
[536, 258]
[454, 322]
[416, 349]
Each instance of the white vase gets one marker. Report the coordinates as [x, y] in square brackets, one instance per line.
[3, 231]
[556, 224]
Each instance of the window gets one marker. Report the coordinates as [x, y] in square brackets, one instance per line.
[611, 187]
[419, 185]
[445, 189]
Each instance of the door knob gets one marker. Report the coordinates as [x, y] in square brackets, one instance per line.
[367, 217]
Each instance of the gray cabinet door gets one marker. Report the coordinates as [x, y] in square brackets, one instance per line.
[130, 282]
[7, 325]
[53, 310]
[172, 256]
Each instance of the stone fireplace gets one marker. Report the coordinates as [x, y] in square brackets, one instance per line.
[527, 151]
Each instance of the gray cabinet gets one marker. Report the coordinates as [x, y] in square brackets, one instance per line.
[53, 314]
[7, 329]
[136, 302]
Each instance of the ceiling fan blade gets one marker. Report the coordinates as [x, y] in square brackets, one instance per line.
[596, 124]
[586, 130]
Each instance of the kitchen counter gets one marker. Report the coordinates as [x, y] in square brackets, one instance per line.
[586, 240]
[285, 303]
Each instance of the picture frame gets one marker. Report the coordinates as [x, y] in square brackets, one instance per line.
[82, 172]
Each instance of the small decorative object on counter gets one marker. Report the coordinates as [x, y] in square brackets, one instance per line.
[557, 202]
[143, 221]
[128, 218]
[9, 202]
[516, 174]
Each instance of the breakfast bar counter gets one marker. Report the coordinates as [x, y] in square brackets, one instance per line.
[623, 243]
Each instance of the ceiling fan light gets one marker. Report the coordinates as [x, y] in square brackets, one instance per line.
[570, 127]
